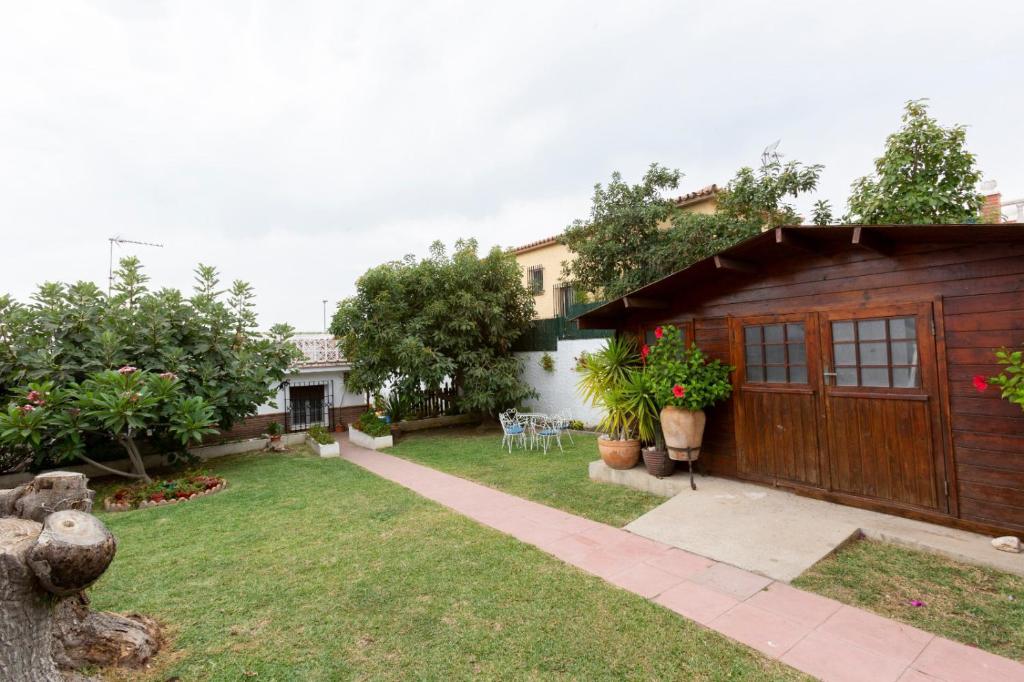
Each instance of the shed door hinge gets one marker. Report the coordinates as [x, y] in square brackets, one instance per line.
[932, 321]
[945, 487]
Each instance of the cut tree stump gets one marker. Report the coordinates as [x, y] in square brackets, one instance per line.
[45, 623]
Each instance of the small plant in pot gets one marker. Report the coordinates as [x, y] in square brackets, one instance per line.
[604, 378]
[685, 383]
[274, 431]
[638, 396]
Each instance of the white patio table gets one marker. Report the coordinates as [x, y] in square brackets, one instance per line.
[530, 420]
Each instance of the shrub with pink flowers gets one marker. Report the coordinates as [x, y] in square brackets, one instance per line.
[684, 377]
[1011, 380]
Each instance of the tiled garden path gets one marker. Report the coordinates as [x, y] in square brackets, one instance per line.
[819, 636]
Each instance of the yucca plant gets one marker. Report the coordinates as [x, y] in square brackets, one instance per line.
[607, 369]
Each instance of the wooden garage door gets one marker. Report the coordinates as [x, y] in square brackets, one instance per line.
[843, 401]
[881, 405]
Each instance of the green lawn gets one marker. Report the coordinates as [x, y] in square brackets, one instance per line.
[311, 569]
[557, 479]
[977, 606]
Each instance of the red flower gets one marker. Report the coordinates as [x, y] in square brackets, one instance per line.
[658, 333]
[26, 408]
[678, 391]
[980, 384]
[645, 350]
[127, 369]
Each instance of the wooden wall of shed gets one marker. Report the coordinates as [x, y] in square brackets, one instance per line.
[979, 288]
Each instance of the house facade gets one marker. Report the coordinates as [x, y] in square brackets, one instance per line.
[855, 351]
[541, 261]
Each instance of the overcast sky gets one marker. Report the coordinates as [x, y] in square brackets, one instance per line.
[295, 145]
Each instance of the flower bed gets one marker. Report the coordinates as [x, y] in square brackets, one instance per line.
[162, 492]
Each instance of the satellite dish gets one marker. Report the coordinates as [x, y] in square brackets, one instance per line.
[770, 152]
[987, 186]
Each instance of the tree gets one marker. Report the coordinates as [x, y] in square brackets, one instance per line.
[69, 334]
[415, 324]
[634, 235]
[925, 175]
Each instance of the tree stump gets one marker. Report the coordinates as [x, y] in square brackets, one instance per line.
[45, 623]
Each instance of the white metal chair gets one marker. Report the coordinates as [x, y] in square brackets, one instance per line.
[546, 429]
[563, 420]
[512, 430]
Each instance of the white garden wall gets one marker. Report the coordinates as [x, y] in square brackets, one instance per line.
[557, 389]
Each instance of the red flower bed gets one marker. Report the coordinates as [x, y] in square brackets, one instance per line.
[165, 491]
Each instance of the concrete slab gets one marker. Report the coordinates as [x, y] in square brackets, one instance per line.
[777, 533]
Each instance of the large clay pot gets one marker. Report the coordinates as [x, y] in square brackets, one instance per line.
[658, 463]
[684, 431]
[619, 454]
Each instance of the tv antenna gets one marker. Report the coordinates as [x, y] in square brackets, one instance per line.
[119, 240]
[770, 153]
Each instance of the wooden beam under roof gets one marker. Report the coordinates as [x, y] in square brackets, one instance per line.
[726, 263]
[641, 302]
[872, 241]
[791, 237]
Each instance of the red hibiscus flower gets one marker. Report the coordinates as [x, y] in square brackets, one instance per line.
[678, 391]
[980, 384]
[645, 350]
[659, 332]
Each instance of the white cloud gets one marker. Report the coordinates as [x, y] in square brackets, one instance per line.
[297, 144]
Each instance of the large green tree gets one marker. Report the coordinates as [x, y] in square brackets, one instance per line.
[415, 324]
[69, 333]
[925, 175]
[635, 234]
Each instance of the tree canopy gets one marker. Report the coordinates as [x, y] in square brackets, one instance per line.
[925, 175]
[69, 337]
[635, 234]
[416, 324]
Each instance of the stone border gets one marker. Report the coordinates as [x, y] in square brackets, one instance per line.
[331, 449]
[357, 437]
[146, 504]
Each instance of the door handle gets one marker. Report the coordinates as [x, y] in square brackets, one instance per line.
[826, 374]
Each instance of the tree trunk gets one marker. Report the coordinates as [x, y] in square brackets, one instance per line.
[26, 617]
[136, 458]
[42, 562]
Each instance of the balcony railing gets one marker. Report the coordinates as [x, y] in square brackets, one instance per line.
[318, 350]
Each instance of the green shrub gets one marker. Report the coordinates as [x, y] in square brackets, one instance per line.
[321, 435]
[372, 425]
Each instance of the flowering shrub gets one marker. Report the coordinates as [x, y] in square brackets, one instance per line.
[179, 488]
[372, 425]
[1010, 380]
[683, 377]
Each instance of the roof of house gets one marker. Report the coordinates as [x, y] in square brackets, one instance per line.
[744, 261]
[688, 199]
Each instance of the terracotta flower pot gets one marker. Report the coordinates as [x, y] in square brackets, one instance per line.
[658, 462]
[619, 454]
[684, 431]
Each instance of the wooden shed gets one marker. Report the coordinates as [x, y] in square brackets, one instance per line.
[855, 348]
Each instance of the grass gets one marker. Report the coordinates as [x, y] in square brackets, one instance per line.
[556, 479]
[312, 569]
[978, 606]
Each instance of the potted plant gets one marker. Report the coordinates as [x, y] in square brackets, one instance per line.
[604, 375]
[274, 431]
[685, 384]
[638, 395]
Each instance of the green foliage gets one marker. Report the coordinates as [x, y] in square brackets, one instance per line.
[1011, 379]
[547, 362]
[70, 333]
[822, 213]
[613, 380]
[925, 175]
[181, 487]
[372, 425]
[635, 235]
[683, 377]
[120, 405]
[418, 323]
[274, 429]
[632, 407]
[397, 404]
[321, 435]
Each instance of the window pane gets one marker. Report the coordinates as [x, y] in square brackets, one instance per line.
[871, 330]
[797, 354]
[904, 353]
[776, 374]
[752, 335]
[773, 333]
[798, 374]
[874, 376]
[775, 355]
[753, 355]
[755, 374]
[846, 376]
[794, 332]
[842, 331]
[905, 377]
[845, 354]
[874, 353]
[903, 328]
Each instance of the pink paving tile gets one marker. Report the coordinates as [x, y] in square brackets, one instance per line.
[768, 632]
[573, 549]
[877, 634]
[680, 562]
[803, 607]
[834, 659]
[645, 580]
[604, 563]
[916, 676]
[696, 602]
[948, 660]
[730, 580]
